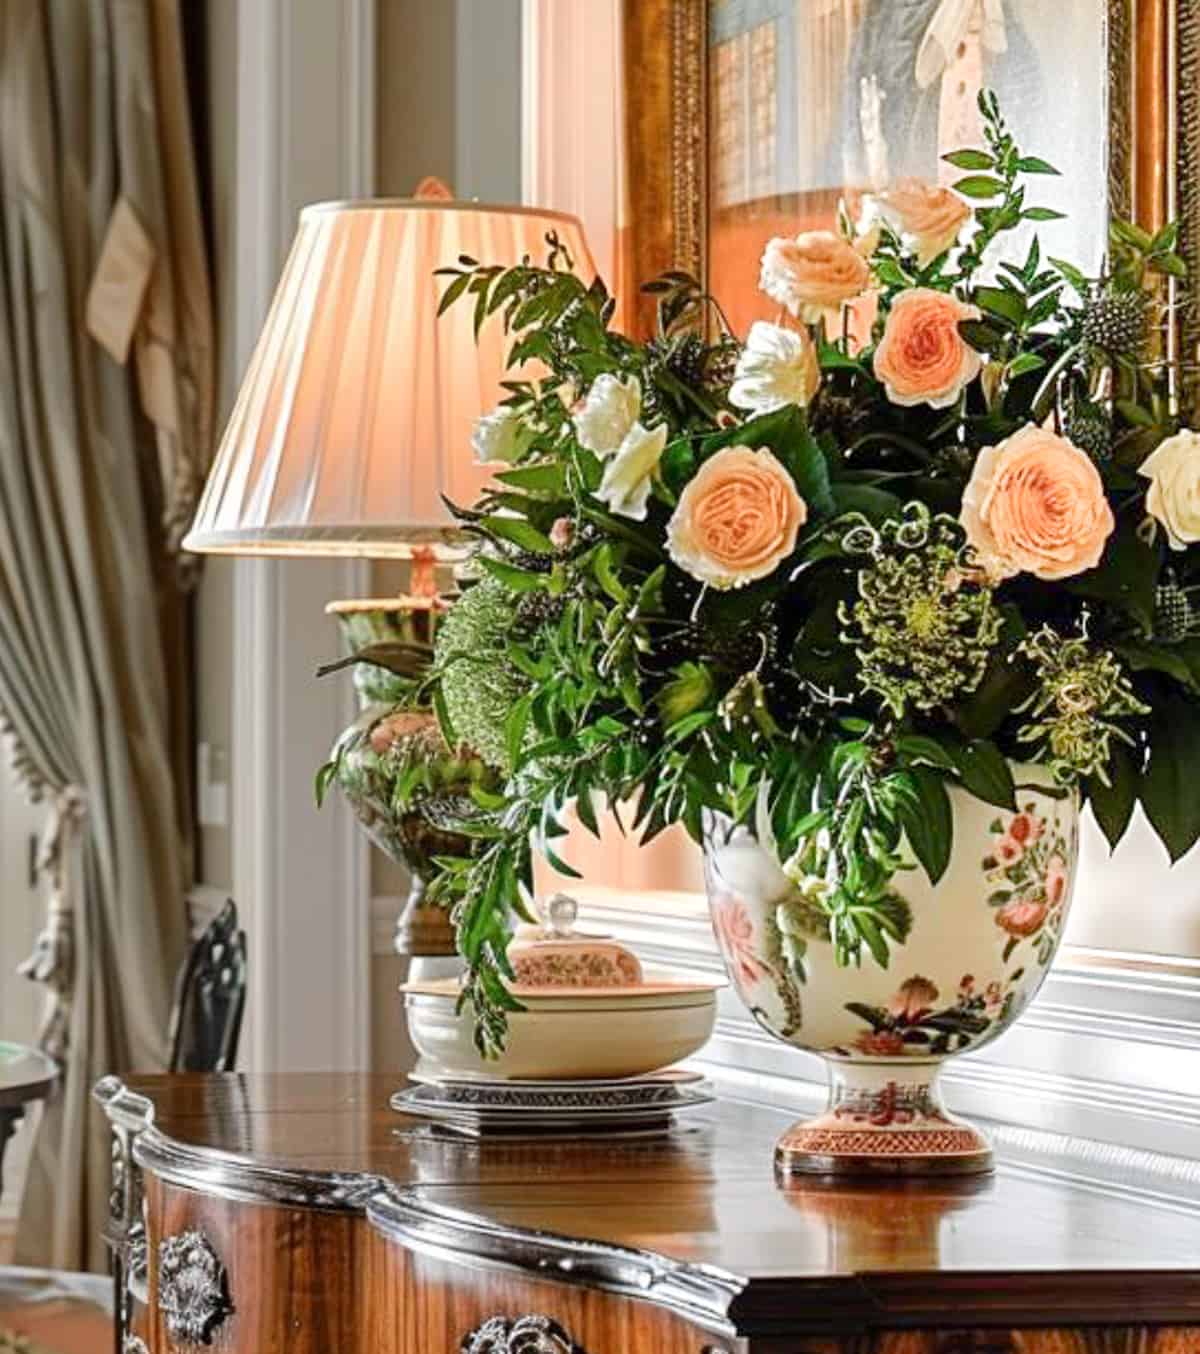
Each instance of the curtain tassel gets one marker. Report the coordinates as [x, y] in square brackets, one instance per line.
[53, 959]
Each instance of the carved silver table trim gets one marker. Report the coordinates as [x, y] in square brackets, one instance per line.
[532, 1334]
[193, 1288]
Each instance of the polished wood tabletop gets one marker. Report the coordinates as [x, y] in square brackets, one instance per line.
[706, 1196]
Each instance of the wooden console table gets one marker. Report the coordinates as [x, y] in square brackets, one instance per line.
[300, 1215]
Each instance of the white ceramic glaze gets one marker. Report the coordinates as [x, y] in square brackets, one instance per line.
[568, 1036]
[981, 943]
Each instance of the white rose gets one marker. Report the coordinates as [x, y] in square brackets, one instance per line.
[777, 367]
[496, 436]
[1173, 470]
[609, 413]
[627, 477]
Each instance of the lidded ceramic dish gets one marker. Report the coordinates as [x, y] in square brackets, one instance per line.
[589, 1011]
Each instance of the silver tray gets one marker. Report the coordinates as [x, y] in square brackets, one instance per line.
[553, 1106]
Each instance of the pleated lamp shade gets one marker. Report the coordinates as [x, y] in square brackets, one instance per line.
[356, 412]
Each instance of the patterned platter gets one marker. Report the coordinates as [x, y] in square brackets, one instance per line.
[474, 1105]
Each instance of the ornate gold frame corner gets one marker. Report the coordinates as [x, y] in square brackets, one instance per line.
[1153, 119]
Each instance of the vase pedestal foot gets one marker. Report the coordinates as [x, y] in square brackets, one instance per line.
[883, 1119]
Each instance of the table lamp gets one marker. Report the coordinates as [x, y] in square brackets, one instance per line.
[354, 419]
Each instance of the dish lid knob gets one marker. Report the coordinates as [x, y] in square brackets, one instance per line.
[561, 910]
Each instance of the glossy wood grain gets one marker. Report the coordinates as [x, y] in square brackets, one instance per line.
[294, 1276]
[681, 1241]
[433, 1303]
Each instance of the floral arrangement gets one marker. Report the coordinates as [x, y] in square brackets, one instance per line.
[936, 520]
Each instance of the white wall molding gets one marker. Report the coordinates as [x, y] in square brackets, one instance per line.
[305, 128]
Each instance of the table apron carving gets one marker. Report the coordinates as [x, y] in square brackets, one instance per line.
[531, 1334]
[193, 1288]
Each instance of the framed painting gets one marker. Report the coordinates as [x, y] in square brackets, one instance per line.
[763, 114]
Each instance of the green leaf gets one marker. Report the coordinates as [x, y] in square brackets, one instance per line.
[453, 292]
[515, 726]
[970, 159]
[519, 580]
[1027, 362]
[606, 576]
[518, 532]
[877, 505]
[547, 477]
[1042, 214]
[1112, 804]
[1030, 164]
[1126, 576]
[979, 186]
[983, 337]
[1072, 274]
[913, 748]
[1168, 789]
[1001, 301]
[1157, 658]
[325, 777]
[929, 821]
[985, 773]
[831, 358]
[1132, 412]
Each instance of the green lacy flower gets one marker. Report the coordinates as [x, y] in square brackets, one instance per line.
[479, 683]
[923, 627]
[1081, 691]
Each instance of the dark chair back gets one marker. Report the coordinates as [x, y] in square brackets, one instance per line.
[210, 996]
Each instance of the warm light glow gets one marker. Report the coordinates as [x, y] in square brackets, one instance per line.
[355, 414]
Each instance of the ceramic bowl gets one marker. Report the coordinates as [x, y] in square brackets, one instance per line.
[571, 1034]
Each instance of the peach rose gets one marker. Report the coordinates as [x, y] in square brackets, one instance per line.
[922, 358]
[1035, 504]
[815, 272]
[929, 216]
[736, 519]
[1022, 917]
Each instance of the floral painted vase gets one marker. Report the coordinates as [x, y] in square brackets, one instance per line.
[981, 943]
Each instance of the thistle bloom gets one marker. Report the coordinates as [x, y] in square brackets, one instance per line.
[777, 367]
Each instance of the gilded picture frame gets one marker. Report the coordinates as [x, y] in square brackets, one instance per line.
[1153, 56]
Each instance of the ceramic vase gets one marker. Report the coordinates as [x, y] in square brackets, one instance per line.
[367, 771]
[981, 942]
